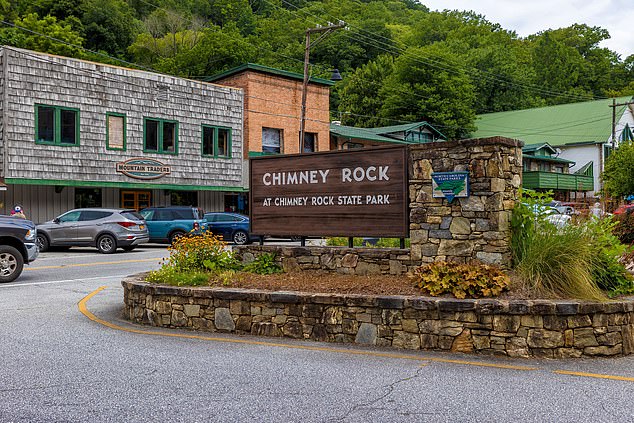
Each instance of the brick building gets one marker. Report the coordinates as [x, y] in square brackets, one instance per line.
[272, 103]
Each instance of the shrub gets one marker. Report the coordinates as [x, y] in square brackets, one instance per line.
[263, 264]
[559, 262]
[168, 276]
[193, 260]
[607, 270]
[462, 280]
[624, 228]
[191, 252]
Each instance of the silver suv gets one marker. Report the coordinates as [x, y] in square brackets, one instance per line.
[106, 229]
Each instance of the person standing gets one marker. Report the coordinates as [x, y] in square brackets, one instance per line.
[18, 212]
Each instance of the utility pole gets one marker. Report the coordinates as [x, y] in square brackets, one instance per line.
[614, 105]
[324, 31]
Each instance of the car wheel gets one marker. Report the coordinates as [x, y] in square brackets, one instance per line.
[42, 242]
[240, 238]
[175, 235]
[129, 248]
[11, 263]
[106, 244]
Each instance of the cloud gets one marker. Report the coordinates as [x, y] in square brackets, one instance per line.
[534, 16]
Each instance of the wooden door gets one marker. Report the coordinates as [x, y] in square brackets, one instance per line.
[136, 200]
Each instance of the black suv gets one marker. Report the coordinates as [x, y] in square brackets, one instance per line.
[17, 246]
[168, 223]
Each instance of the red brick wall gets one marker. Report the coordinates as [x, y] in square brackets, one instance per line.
[272, 101]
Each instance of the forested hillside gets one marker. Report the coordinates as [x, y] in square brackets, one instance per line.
[400, 62]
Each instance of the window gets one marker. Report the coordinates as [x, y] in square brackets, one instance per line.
[136, 200]
[115, 131]
[160, 136]
[216, 141]
[184, 198]
[88, 215]
[310, 142]
[56, 125]
[272, 140]
[71, 216]
[87, 197]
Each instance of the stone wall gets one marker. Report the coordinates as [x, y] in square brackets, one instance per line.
[510, 328]
[476, 227]
[350, 261]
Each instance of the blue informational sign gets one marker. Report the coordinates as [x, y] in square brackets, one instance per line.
[450, 185]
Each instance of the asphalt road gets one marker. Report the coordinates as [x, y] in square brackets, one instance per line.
[61, 366]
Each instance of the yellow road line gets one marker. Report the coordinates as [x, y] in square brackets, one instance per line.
[84, 310]
[594, 375]
[91, 264]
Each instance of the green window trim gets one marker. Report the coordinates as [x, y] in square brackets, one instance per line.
[57, 125]
[215, 129]
[159, 143]
[125, 135]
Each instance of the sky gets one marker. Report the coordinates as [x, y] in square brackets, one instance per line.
[530, 17]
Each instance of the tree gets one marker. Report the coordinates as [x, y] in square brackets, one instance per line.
[618, 172]
[46, 35]
[360, 93]
[109, 25]
[429, 84]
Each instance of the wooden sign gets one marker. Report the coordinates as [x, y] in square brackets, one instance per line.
[336, 193]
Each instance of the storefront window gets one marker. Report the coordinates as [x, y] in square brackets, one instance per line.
[87, 197]
[184, 198]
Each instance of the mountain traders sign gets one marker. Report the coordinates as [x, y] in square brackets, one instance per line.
[335, 193]
[143, 168]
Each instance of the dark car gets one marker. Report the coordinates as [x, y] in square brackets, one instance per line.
[233, 227]
[165, 224]
[17, 246]
[105, 229]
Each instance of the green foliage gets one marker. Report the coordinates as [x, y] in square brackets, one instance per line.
[170, 276]
[199, 253]
[624, 228]
[579, 260]
[441, 93]
[203, 259]
[400, 61]
[264, 264]
[525, 219]
[462, 280]
[618, 174]
[607, 271]
[361, 242]
[70, 41]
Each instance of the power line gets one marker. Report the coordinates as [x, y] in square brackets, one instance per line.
[374, 42]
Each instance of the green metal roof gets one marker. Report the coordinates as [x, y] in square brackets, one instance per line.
[377, 134]
[589, 121]
[547, 159]
[529, 148]
[367, 134]
[265, 69]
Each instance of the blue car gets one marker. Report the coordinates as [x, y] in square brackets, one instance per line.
[233, 227]
[165, 224]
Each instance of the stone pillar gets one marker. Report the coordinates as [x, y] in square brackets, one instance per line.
[477, 227]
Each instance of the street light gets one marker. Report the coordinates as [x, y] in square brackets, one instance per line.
[324, 30]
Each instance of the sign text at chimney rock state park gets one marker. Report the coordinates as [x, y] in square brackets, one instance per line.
[336, 193]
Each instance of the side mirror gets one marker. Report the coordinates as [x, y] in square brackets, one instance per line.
[56, 220]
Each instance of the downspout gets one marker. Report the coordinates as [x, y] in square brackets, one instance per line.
[5, 110]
